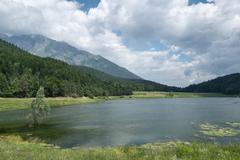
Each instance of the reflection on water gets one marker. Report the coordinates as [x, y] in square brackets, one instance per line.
[123, 122]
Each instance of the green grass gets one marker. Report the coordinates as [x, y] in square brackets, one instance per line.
[24, 103]
[143, 94]
[173, 95]
[14, 148]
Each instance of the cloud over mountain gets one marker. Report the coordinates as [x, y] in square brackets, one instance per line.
[170, 42]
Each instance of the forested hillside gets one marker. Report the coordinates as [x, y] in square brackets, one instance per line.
[21, 74]
[229, 84]
[134, 84]
[45, 47]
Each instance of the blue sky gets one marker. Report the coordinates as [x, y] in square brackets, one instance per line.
[196, 1]
[93, 3]
[88, 4]
[191, 2]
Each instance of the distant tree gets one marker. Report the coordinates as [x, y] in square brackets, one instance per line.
[40, 109]
[53, 87]
[26, 84]
[70, 89]
[3, 85]
[170, 94]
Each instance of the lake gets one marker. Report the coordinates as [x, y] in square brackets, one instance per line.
[126, 122]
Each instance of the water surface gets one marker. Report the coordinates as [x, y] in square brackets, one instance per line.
[125, 122]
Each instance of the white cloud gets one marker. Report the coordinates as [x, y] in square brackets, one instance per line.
[208, 34]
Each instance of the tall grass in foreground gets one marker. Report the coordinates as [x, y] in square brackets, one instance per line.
[13, 148]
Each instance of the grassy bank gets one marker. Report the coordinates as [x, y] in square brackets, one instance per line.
[143, 94]
[14, 148]
[174, 95]
[24, 103]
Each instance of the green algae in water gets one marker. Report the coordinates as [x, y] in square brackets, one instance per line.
[234, 124]
[217, 131]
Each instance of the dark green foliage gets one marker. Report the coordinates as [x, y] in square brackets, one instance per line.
[4, 87]
[229, 84]
[45, 47]
[40, 109]
[21, 74]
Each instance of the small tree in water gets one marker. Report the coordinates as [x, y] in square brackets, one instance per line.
[40, 109]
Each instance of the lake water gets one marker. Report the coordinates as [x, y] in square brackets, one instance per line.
[126, 122]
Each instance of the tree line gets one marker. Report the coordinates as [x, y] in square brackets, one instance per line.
[229, 85]
[21, 75]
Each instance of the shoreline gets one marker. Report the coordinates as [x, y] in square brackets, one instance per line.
[17, 147]
[14, 147]
[10, 104]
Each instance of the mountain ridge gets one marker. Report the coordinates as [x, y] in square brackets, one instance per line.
[227, 84]
[22, 73]
[46, 47]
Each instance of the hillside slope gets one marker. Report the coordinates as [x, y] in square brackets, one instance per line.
[229, 84]
[22, 73]
[45, 47]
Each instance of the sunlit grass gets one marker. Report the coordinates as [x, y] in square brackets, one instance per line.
[14, 148]
[173, 95]
[24, 103]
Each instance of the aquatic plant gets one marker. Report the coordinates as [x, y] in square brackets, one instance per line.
[217, 131]
[234, 124]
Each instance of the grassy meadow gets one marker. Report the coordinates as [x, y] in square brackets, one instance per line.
[14, 148]
[24, 103]
[174, 95]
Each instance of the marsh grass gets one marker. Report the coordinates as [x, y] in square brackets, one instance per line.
[15, 148]
[173, 95]
[25, 103]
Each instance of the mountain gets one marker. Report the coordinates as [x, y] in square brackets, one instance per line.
[21, 74]
[134, 84]
[45, 47]
[229, 84]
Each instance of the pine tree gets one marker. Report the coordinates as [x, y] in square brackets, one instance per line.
[4, 88]
[40, 109]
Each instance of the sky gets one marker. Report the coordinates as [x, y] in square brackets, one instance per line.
[88, 4]
[174, 42]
